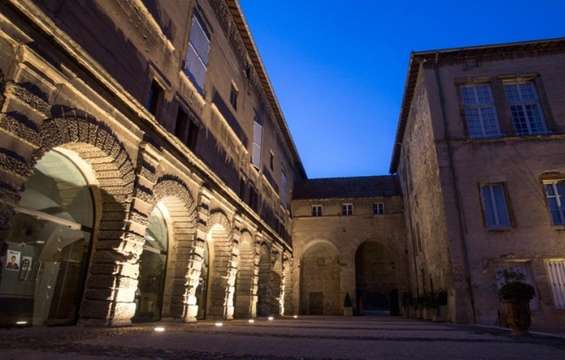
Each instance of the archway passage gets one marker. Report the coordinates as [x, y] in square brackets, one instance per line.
[246, 282]
[320, 281]
[48, 243]
[375, 277]
[152, 266]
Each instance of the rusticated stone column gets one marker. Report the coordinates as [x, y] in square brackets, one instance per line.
[113, 279]
[195, 257]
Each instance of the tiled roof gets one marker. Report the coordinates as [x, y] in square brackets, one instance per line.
[347, 187]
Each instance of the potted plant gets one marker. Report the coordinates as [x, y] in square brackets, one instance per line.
[429, 306]
[515, 296]
[347, 306]
[441, 303]
[406, 304]
[420, 307]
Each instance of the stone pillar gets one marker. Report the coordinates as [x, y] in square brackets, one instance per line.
[233, 265]
[276, 282]
[196, 256]
[287, 296]
[109, 298]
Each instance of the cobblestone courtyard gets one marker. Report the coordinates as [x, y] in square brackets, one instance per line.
[304, 338]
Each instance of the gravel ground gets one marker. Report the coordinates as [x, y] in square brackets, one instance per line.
[281, 339]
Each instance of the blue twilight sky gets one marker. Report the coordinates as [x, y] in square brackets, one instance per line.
[338, 67]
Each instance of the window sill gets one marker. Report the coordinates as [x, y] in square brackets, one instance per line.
[558, 228]
[500, 229]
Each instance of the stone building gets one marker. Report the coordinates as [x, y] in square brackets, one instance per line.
[348, 238]
[480, 154]
[147, 173]
[146, 167]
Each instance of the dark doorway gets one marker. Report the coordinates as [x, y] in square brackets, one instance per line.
[375, 280]
[316, 303]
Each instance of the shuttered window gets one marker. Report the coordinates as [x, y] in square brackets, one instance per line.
[196, 62]
[556, 271]
[257, 140]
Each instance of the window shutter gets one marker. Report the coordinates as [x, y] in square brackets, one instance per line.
[196, 61]
[556, 270]
[257, 139]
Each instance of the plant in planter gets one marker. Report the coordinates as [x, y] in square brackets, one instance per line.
[441, 304]
[420, 307]
[407, 303]
[430, 306]
[515, 296]
[347, 306]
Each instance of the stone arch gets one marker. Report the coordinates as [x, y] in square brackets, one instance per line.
[108, 296]
[320, 274]
[375, 279]
[223, 260]
[246, 281]
[174, 195]
[264, 295]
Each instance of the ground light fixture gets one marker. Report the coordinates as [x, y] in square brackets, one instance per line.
[159, 329]
[251, 321]
[270, 318]
[295, 317]
[21, 322]
[219, 324]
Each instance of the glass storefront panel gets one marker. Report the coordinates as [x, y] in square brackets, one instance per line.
[152, 264]
[45, 254]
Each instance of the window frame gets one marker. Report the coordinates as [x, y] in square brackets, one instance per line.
[558, 297]
[506, 197]
[317, 210]
[493, 104]
[560, 199]
[530, 80]
[204, 26]
[234, 95]
[345, 207]
[379, 208]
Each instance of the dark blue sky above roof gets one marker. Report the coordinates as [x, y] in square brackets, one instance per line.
[338, 68]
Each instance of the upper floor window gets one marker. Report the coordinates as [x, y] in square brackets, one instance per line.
[479, 111]
[527, 114]
[257, 141]
[378, 209]
[154, 98]
[347, 209]
[283, 185]
[494, 206]
[316, 210]
[272, 161]
[555, 192]
[234, 93]
[196, 61]
[186, 129]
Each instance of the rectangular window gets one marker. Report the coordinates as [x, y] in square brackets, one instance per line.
[154, 98]
[283, 185]
[234, 93]
[554, 192]
[272, 161]
[527, 115]
[192, 135]
[556, 271]
[494, 206]
[181, 125]
[378, 209]
[347, 209]
[316, 210]
[196, 61]
[479, 111]
[256, 147]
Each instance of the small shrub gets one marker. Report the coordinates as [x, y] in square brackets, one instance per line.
[347, 301]
[516, 291]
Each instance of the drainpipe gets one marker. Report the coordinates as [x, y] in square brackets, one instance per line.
[453, 174]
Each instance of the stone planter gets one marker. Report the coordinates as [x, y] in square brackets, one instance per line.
[441, 314]
[347, 311]
[518, 316]
[428, 313]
